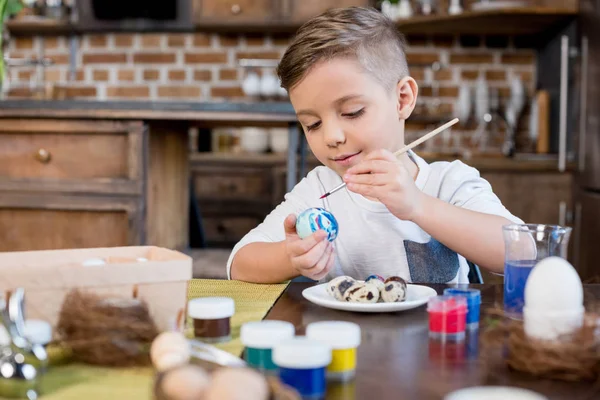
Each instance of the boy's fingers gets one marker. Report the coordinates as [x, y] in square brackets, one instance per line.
[369, 179]
[370, 167]
[310, 258]
[301, 247]
[365, 190]
[325, 264]
[289, 225]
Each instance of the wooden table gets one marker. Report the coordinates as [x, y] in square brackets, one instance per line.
[397, 360]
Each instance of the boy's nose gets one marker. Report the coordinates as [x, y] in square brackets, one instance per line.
[334, 136]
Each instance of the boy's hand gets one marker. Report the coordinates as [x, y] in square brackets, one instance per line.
[382, 176]
[312, 256]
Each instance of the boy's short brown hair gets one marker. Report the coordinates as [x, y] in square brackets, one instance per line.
[364, 34]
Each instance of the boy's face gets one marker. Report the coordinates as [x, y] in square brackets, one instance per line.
[346, 113]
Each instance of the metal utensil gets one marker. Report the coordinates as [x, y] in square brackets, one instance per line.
[206, 352]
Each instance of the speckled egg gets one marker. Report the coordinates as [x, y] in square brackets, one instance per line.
[361, 292]
[168, 350]
[338, 286]
[237, 384]
[183, 383]
[375, 280]
[394, 290]
[316, 218]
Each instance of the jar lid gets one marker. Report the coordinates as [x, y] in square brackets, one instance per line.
[336, 334]
[473, 296]
[301, 353]
[447, 303]
[38, 331]
[266, 334]
[211, 308]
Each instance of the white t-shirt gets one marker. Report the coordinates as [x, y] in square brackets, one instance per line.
[371, 240]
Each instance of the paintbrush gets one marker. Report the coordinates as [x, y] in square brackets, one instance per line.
[404, 149]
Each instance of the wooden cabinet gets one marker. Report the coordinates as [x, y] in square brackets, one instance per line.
[70, 184]
[535, 197]
[299, 11]
[234, 194]
[269, 13]
[235, 11]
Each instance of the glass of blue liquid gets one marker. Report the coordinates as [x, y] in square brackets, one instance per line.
[526, 245]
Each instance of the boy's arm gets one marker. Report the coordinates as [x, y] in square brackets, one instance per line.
[262, 262]
[273, 253]
[274, 262]
[476, 236]
[467, 217]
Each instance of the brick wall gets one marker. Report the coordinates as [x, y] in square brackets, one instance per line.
[202, 66]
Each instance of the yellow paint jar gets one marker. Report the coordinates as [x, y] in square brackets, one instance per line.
[343, 338]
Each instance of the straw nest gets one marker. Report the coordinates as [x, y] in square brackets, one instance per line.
[572, 358]
[106, 331]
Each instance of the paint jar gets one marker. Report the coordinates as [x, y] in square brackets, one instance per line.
[343, 338]
[473, 297]
[259, 338]
[302, 363]
[447, 317]
[211, 318]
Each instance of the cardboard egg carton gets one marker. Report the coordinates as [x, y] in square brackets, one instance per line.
[158, 276]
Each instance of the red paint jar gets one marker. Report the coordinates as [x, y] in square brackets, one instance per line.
[447, 317]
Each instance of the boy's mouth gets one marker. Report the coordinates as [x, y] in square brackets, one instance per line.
[345, 159]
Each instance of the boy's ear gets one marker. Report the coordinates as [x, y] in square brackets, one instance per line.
[406, 92]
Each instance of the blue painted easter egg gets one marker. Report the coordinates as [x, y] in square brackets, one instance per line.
[316, 218]
[374, 276]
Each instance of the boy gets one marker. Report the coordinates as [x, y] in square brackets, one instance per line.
[347, 78]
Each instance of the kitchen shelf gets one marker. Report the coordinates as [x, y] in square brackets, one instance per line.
[39, 26]
[482, 162]
[508, 21]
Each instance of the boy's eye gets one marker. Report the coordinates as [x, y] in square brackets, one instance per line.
[313, 126]
[354, 114]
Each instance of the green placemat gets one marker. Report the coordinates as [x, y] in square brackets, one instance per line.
[252, 303]
[77, 382]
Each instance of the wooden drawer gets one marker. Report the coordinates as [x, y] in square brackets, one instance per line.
[56, 150]
[232, 11]
[537, 198]
[44, 222]
[229, 185]
[228, 230]
[300, 11]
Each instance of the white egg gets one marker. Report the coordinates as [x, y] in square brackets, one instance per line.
[169, 350]
[553, 285]
[553, 300]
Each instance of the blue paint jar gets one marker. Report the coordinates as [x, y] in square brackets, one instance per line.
[259, 338]
[302, 363]
[473, 297]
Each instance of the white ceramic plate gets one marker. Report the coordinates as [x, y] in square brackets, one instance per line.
[417, 296]
[494, 393]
